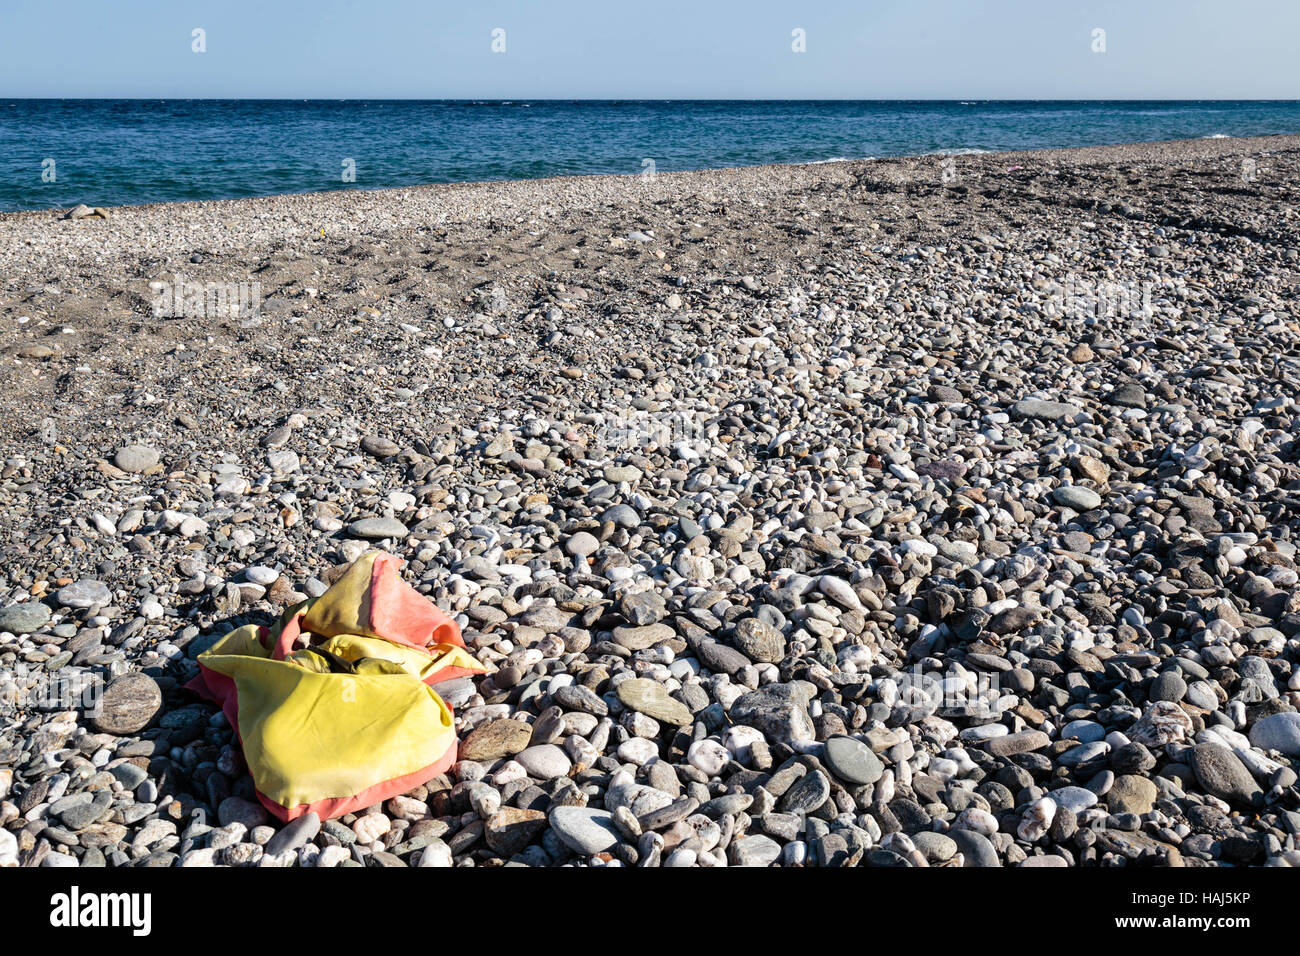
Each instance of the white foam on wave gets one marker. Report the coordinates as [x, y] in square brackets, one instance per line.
[959, 151]
[833, 159]
[1217, 136]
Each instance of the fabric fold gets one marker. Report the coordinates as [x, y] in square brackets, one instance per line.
[333, 706]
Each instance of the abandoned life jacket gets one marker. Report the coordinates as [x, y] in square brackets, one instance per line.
[333, 706]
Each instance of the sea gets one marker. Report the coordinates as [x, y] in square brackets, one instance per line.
[57, 153]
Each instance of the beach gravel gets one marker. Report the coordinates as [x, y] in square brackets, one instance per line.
[849, 514]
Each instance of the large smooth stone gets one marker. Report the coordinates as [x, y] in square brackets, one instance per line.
[128, 706]
[852, 761]
[584, 830]
[375, 529]
[652, 698]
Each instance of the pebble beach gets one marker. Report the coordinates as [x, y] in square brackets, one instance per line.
[922, 512]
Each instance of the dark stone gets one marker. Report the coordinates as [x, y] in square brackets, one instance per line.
[975, 848]
[1222, 774]
[807, 794]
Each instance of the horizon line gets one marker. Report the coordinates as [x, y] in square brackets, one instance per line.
[640, 99]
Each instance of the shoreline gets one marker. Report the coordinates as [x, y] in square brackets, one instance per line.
[1081, 155]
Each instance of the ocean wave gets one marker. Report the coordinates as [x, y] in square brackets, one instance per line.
[485, 139]
[1217, 136]
[833, 159]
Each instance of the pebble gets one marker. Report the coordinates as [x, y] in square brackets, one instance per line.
[1073, 798]
[375, 529]
[509, 830]
[544, 761]
[1168, 686]
[246, 813]
[136, 459]
[853, 761]
[581, 545]
[1132, 794]
[1077, 497]
[371, 827]
[25, 618]
[1026, 741]
[262, 575]
[779, 711]
[975, 848]
[1223, 775]
[437, 854]
[757, 850]
[1084, 731]
[495, 739]
[759, 641]
[782, 562]
[128, 705]
[1045, 410]
[1280, 732]
[807, 794]
[8, 849]
[652, 699]
[84, 593]
[708, 756]
[293, 834]
[584, 830]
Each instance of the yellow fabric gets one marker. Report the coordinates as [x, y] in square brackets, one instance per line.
[311, 736]
[345, 607]
[295, 610]
[242, 640]
[312, 731]
[372, 600]
[421, 663]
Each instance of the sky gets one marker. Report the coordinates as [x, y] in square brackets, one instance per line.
[665, 49]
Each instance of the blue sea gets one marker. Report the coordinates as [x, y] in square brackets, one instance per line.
[56, 153]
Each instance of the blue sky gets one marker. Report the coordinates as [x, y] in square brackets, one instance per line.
[887, 49]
